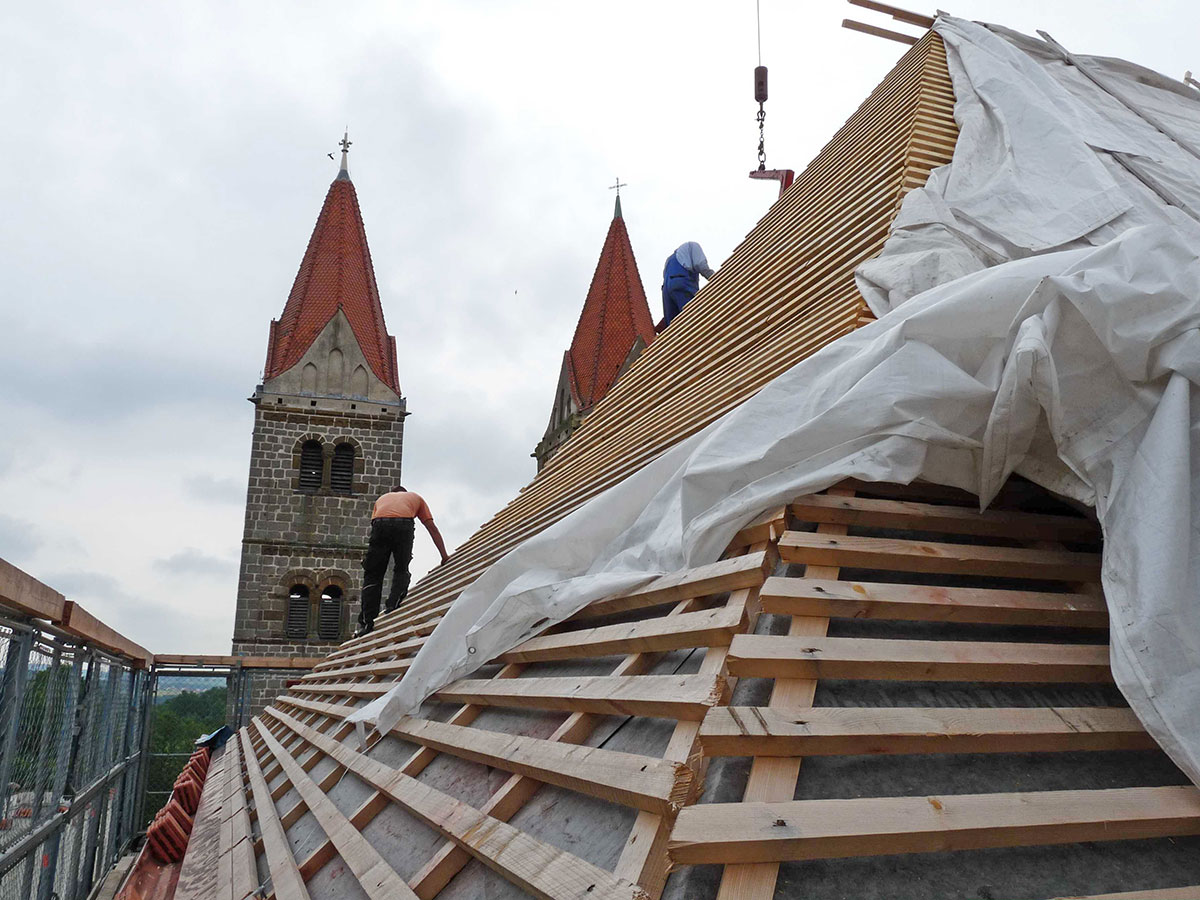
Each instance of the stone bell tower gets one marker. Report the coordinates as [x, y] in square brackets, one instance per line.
[328, 431]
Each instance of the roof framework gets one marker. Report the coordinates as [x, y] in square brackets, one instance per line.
[840, 686]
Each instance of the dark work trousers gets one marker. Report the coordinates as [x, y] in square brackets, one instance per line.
[390, 539]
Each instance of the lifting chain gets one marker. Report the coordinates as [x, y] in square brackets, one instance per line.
[762, 147]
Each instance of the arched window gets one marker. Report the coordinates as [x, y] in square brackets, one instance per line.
[296, 625]
[329, 614]
[311, 466]
[341, 470]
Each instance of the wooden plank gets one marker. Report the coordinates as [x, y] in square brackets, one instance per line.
[662, 696]
[537, 867]
[377, 801]
[285, 877]
[916, 492]
[768, 656]
[824, 731]
[875, 31]
[82, 624]
[517, 790]
[730, 574]
[869, 600]
[704, 628]
[246, 662]
[945, 559]
[902, 15]
[28, 596]
[643, 782]
[346, 688]
[377, 879]
[911, 516]
[643, 859]
[775, 778]
[238, 864]
[767, 527]
[202, 859]
[825, 829]
[401, 648]
[378, 667]
[1191, 892]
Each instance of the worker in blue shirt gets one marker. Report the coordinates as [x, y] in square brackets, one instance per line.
[681, 278]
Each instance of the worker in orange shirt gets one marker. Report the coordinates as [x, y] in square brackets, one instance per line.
[392, 538]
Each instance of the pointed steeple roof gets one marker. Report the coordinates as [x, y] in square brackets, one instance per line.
[614, 316]
[335, 273]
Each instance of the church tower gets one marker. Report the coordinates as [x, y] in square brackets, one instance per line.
[328, 430]
[613, 329]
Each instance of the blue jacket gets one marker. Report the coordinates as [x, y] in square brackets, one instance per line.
[679, 286]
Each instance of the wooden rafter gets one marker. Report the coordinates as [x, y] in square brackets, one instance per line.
[674, 650]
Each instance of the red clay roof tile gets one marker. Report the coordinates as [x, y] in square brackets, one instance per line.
[335, 273]
[614, 315]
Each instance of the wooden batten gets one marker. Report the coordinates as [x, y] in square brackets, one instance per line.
[704, 628]
[730, 574]
[543, 870]
[767, 656]
[825, 829]
[285, 875]
[837, 731]
[661, 696]
[865, 512]
[923, 603]
[937, 558]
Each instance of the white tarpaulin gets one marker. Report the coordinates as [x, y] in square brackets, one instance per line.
[1040, 313]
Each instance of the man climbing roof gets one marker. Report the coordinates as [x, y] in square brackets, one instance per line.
[681, 279]
[392, 538]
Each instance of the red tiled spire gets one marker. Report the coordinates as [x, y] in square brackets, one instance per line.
[335, 273]
[614, 315]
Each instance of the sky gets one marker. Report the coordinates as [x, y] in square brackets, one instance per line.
[166, 163]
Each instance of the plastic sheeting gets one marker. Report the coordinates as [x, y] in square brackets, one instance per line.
[1040, 313]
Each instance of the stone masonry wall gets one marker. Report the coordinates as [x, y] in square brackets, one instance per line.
[315, 539]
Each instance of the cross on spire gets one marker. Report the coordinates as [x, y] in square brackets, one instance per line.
[345, 143]
[617, 187]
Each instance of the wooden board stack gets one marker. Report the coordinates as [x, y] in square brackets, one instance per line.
[652, 745]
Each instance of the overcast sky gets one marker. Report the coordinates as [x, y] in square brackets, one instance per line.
[165, 162]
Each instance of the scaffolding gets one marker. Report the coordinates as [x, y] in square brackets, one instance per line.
[72, 722]
[94, 730]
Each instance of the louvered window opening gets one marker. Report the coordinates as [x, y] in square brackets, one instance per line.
[341, 473]
[296, 625]
[329, 615]
[310, 466]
